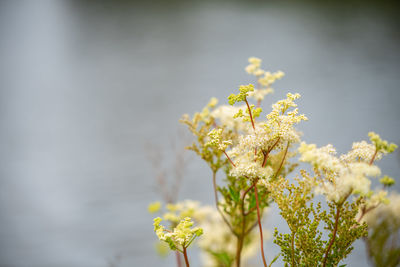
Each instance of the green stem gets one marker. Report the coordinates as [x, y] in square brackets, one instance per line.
[239, 245]
[293, 248]
[216, 203]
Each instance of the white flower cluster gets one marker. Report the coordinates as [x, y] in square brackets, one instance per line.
[389, 212]
[280, 123]
[320, 158]
[224, 114]
[247, 167]
[218, 238]
[254, 67]
[275, 133]
[361, 151]
[259, 94]
[181, 235]
[269, 78]
[216, 140]
[264, 78]
[178, 211]
[343, 178]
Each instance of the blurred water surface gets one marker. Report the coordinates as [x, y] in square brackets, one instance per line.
[85, 85]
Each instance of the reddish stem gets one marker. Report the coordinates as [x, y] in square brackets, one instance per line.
[373, 157]
[365, 211]
[333, 235]
[178, 259]
[266, 153]
[265, 159]
[259, 225]
[251, 116]
[283, 160]
[252, 209]
[186, 257]
[233, 164]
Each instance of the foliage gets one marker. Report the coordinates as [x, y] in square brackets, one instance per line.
[255, 156]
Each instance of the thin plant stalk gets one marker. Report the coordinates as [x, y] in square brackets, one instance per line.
[259, 225]
[186, 257]
[243, 232]
[216, 204]
[178, 259]
[333, 235]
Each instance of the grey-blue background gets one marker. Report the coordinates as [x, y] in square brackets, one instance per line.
[86, 84]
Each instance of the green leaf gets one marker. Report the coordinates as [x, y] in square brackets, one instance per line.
[252, 202]
[234, 194]
[274, 260]
[223, 258]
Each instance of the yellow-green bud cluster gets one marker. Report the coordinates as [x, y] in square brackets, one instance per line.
[387, 181]
[154, 207]
[243, 93]
[216, 140]
[254, 67]
[213, 102]
[246, 116]
[381, 145]
[269, 78]
[181, 236]
[265, 78]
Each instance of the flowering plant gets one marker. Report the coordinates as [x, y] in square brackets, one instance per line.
[256, 156]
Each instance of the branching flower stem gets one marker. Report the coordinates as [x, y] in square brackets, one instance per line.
[266, 153]
[259, 225]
